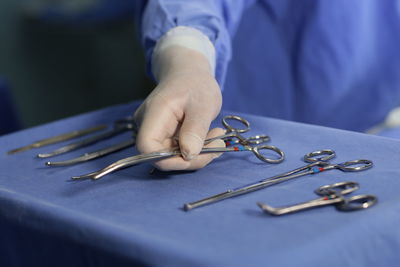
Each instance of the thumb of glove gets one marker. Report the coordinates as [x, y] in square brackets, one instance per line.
[193, 131]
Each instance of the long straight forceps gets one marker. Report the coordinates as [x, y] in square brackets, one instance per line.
[58, 138]
[95, 154]
[119, 127]
[319, 162]
[330, 195]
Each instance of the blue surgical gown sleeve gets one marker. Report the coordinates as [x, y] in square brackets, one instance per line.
[217, 19]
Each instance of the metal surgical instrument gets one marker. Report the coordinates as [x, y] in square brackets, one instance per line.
[231, 132]
[134, 160]
[319, 162]
[330, 195]
[58, 138]
[94, 155]
[234, 141]
[119, 127]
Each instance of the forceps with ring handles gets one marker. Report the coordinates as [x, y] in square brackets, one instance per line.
[235, 143]
[233, 135]
[330, 195]
[231, 132]
[319, 162]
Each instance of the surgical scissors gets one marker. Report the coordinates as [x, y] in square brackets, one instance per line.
[319, 162]
[330, 195]
[235, 142]
[230, 133]
[120, 126]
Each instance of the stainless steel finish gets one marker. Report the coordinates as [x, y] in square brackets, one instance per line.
[119, 127]
[234, 141]
[302, 206]
[59, 138]
[326, 154]
[319, 164]
[233, 135]
[343, 187]
[134, 160]
[331, 195]
[229, 128]
[127, 162]
[94, 155]
[358, 202]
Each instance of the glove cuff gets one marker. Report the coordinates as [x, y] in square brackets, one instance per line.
[187, 37]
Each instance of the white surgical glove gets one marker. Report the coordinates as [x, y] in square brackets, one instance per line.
[185, 101]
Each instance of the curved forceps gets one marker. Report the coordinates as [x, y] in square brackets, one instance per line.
[134, 160]
[319, 162]
[330, 195]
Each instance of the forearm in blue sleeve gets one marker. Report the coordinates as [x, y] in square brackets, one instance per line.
[217, 19]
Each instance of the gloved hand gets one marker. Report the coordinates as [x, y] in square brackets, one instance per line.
[183, 105]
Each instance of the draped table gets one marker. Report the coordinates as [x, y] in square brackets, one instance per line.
[135, 218]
